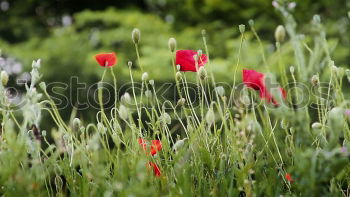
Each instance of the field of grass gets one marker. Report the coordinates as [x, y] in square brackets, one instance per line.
[279, 130]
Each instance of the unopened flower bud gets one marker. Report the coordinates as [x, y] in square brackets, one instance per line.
[42, 85]
[144, 76]
[241, 28]
[151, 82]
[178, 145]
[4, 78]
[316, 125]
[148, 93]
[204, 32]
[291, 69]
[36, 64]
[315, 80]
[210, 117]
[136, 35]
[181, 101]
[172, 44]
[251, 22]
[166, 118]
[126, 99]
[202, 73]
[220, 90]
[199, 53]
[76, 124]
[317, 19]
[347, 73]
[280, 33]
[178, 76]
[123, 112]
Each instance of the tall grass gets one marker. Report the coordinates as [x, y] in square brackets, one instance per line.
[228, 143]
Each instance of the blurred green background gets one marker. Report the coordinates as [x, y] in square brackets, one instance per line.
[65, 35]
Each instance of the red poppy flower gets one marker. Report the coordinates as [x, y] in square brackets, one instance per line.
[156, 170]
[185, 59]
[106, 59]
[155, 147]
[289, 178]
[256, 80]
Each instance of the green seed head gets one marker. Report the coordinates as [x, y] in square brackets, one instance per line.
[4, 78]
[241, 28]
[172, 44]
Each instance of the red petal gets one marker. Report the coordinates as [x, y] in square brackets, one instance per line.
[156, 170]
[289, 178]
[143, 144]
[255, 80]
[185, 59]
[156, 146]
[106, 59]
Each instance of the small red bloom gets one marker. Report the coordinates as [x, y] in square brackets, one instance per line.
[256, 80]
[155, 147]
[106, 59]
[185, 59]
[289, 178]
[156, 170]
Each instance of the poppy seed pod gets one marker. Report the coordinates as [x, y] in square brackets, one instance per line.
[280, 33]
[241, 28]
[148, 93]
[129, 63]
[172, 44]
[251, 22]
[4, 78]
[144, 76]
[151, 82]
[166, 118]
[136, 35]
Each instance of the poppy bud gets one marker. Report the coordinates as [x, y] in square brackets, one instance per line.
[315, 80]
[136, 36]
[172, 44]
[202, 73]
[42, 85]
[129, 63]
[181, 101]
[210, 117]
[4, 78]
[245, 100]
[316, 19]
[178, 76]
[204, 32]
[178, 67]
[123, 112]
[284, 124]
[151, 82]
[178, 144]
[241, 28]
[251, 22]
[347, 72]
[126, 99]
[36, 64]
[291, 69]
[334, 69]
[220, 90]
[316, 125]
[349, 14]
[144, 76]
[43, 133]
[166, 118]
[148, 93]
[76, 124]
[199, 53]
[280, 33]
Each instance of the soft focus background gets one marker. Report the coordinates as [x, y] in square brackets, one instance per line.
[65, 34]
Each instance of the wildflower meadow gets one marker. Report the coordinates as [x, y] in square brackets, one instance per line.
[278, 127]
